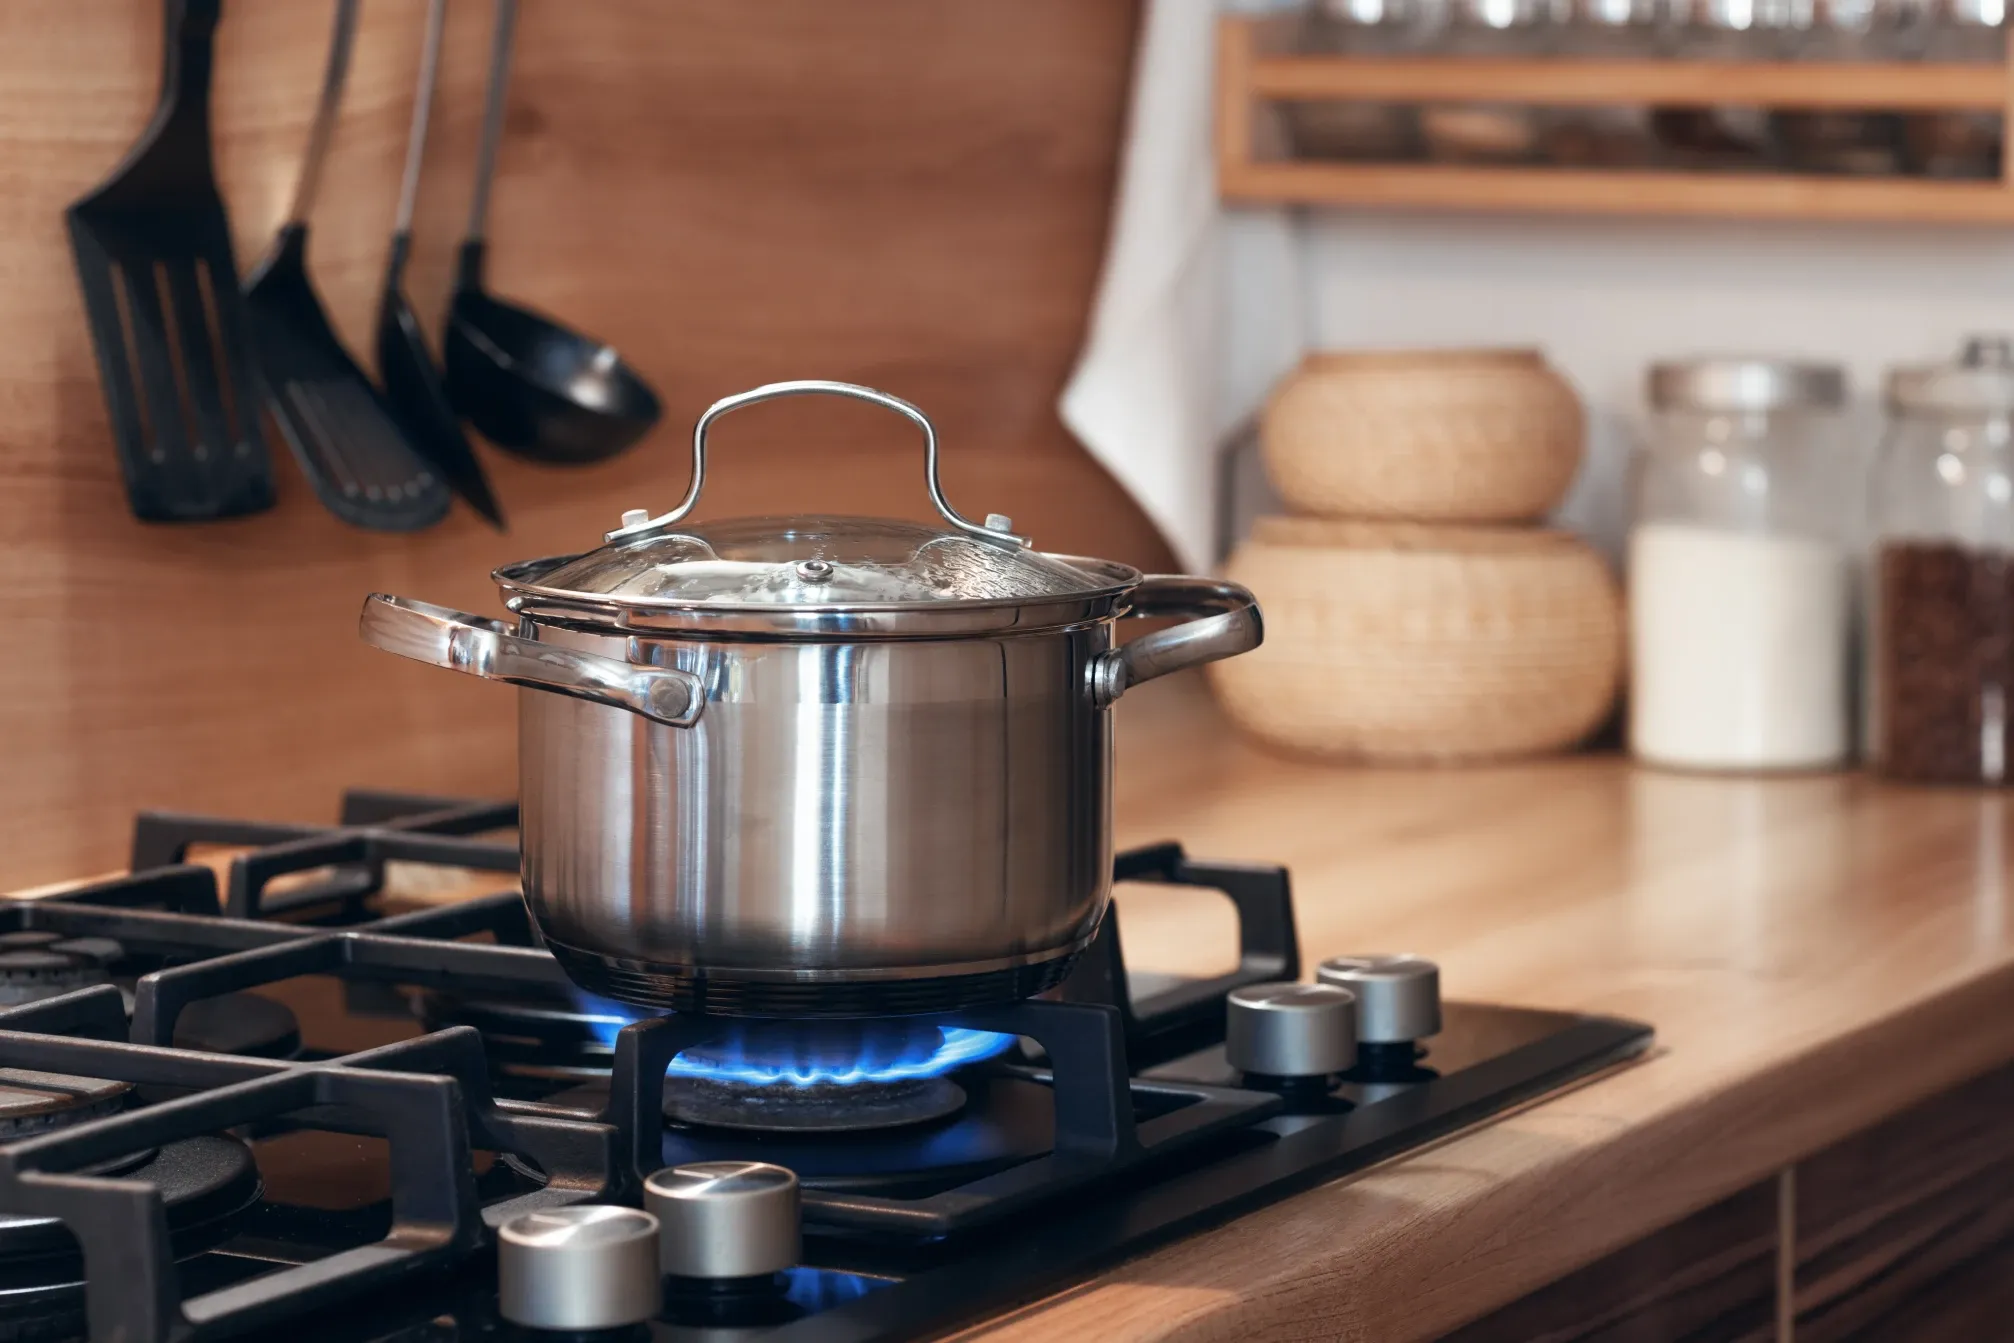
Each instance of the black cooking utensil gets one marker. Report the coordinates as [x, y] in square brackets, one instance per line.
[153, 253]
[349, 446]
[530, 384]
[412, 381]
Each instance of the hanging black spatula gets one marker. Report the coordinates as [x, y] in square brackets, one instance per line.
[350, 448]
[412, 380]
[153, 252]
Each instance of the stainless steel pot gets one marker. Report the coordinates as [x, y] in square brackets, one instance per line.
[818, 766]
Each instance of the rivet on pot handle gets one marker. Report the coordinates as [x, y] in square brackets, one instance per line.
[1228, 625]
[487, 648]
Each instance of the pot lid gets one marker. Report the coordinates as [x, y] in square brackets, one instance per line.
[816, 561]
[817, 565]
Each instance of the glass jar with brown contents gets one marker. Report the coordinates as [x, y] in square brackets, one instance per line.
[1941, 656]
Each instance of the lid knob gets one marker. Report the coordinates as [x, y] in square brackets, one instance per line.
[1291, 1030]
[725, 1219]
[586, 1266]
[635, 517]
[1398, 997]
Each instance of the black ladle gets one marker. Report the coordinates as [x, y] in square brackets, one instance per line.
[529, 384]
[412, 382]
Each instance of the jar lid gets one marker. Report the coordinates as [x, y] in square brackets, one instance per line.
[1747, 15]
[814, 574]
[1746, 384]
[1976, 13]
[1500, 13]
[1615, 13]
[1981, 382]
[1368, 13]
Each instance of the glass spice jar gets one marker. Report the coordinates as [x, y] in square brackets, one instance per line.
[1618, 136]
[1941, 648]
[1739, 571]
[1361, 131]
[1489, 132]
[1960, 144]
[1727, 137]
[1834, 140]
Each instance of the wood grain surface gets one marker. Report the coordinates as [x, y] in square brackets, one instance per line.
[1817, 954]
[1709, 1279]
[1885, 1217]
[909, 193]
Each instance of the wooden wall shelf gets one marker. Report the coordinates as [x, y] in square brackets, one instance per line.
[1255, 70]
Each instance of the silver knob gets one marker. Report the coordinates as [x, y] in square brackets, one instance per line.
[1291, 1030]
[587, 1266]
[724, 1219]
[1398, 997]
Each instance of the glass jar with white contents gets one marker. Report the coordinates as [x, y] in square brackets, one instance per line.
[1739, 573]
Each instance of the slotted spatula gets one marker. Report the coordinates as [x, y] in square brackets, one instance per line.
[153, 253]
[348, 444]
[406, 367]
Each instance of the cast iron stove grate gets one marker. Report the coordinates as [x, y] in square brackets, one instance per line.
[1144, 1110]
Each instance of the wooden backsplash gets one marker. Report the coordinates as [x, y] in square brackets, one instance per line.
[907, 193]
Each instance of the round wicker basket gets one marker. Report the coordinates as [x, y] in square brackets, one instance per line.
[1427, 436]
[1395, 642]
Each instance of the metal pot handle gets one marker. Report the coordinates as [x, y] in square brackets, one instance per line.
[487, 648]
[1228, 624]
[636, 525]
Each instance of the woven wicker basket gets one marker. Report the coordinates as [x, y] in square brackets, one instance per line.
[1398, 642]
[1427, 436]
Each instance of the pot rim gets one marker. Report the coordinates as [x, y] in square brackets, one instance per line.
[524, 595]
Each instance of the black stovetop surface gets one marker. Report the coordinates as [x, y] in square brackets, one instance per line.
[337, 1172]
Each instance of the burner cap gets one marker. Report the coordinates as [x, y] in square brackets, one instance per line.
[239, 1023]
[31, 1102]
[714, 1103]
[35, 965]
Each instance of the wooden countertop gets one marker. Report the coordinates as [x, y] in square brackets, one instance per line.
[1816, 953]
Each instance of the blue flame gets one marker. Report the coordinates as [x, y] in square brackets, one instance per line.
[726, 1060]
[959, 1047]
[604, 1018]
[818, 1289]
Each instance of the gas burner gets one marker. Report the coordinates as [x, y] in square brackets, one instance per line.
[825, 1076]
[34, 1102]
[239, 1023]
[825, 1107]
[996, 1122]
[205, 1183]
[37, 964]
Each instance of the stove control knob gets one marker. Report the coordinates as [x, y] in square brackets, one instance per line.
[724, 1219]
[585, 1266]
[1398, 997]
[1291, 1030]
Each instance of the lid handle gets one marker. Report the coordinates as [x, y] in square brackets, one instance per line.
[774, 391]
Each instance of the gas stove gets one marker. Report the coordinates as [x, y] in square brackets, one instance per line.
[282, 1100]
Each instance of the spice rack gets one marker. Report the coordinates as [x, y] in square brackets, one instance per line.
[1256, 69]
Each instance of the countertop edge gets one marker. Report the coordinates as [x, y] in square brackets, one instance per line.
[1291, 1272]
